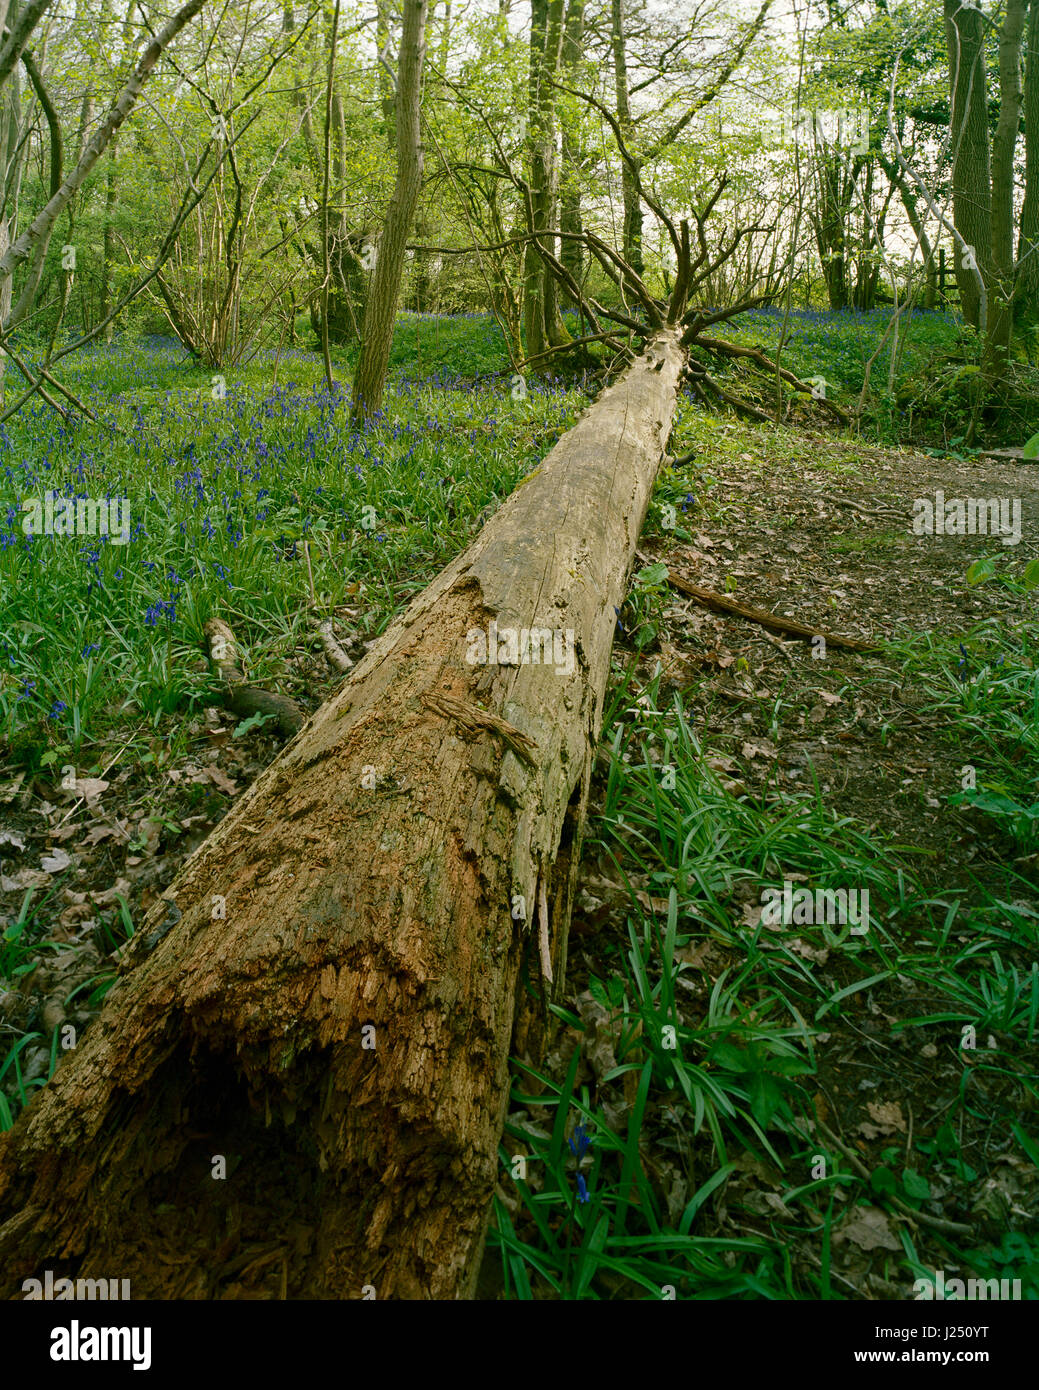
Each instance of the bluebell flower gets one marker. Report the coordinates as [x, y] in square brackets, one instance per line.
[583, 1144]
[583, 1195]
[157, 610]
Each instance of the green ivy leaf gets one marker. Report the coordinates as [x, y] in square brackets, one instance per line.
[916, 1187]
[766, 1097]
[652, 574]
[980, 571]
[254, 721]
[883, 1182]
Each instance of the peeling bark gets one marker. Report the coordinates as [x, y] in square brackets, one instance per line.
[328, 1003]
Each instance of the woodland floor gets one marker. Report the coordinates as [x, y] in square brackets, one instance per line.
[818, 529]
[827, 540]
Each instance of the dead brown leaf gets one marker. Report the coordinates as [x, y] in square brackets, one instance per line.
[869, 1229]
[887, 1115]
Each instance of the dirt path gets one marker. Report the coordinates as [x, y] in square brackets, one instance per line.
[831, 542]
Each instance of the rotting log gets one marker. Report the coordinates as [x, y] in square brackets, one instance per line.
[329, 1018]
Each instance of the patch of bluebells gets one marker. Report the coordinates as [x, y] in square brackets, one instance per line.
[214, 468]
[157, 610]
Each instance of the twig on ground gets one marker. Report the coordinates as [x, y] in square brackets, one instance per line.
[721, 603]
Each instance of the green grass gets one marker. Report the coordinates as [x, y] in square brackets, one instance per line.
[985, 689]
[100, 651]
[227, 498]
[728, 1068]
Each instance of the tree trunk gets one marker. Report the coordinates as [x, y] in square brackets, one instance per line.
[570, 176]
[109, 238]
[380, 311]
[1004, 143]
[971, 177]
[918, 224]
[1028, 244]
[835, 192]
[11, 166]
[329, 1006]
[632, 240]
[542, 323]
[383, 21]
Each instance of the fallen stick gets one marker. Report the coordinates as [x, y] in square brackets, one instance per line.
[936, 1223]
[775, 642]
[334, 654]
[240, 698]
[856, 506]
[721, 603]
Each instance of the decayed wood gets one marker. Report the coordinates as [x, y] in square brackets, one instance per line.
[330, 1014]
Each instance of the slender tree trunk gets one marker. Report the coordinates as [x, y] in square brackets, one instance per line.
[381, 308]
[108, 252]
[386, 96]
[423, 227]
[5, 306]
[971, 175]
[570, 176]
[326, 231]
[911, 206]
[632, 240]
[1028, 244]
[542, 324]
[835, 191]
[297, 1087]
[11, 164]
[1002, 288]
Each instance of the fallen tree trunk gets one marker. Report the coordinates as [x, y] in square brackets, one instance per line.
[297, 1087]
